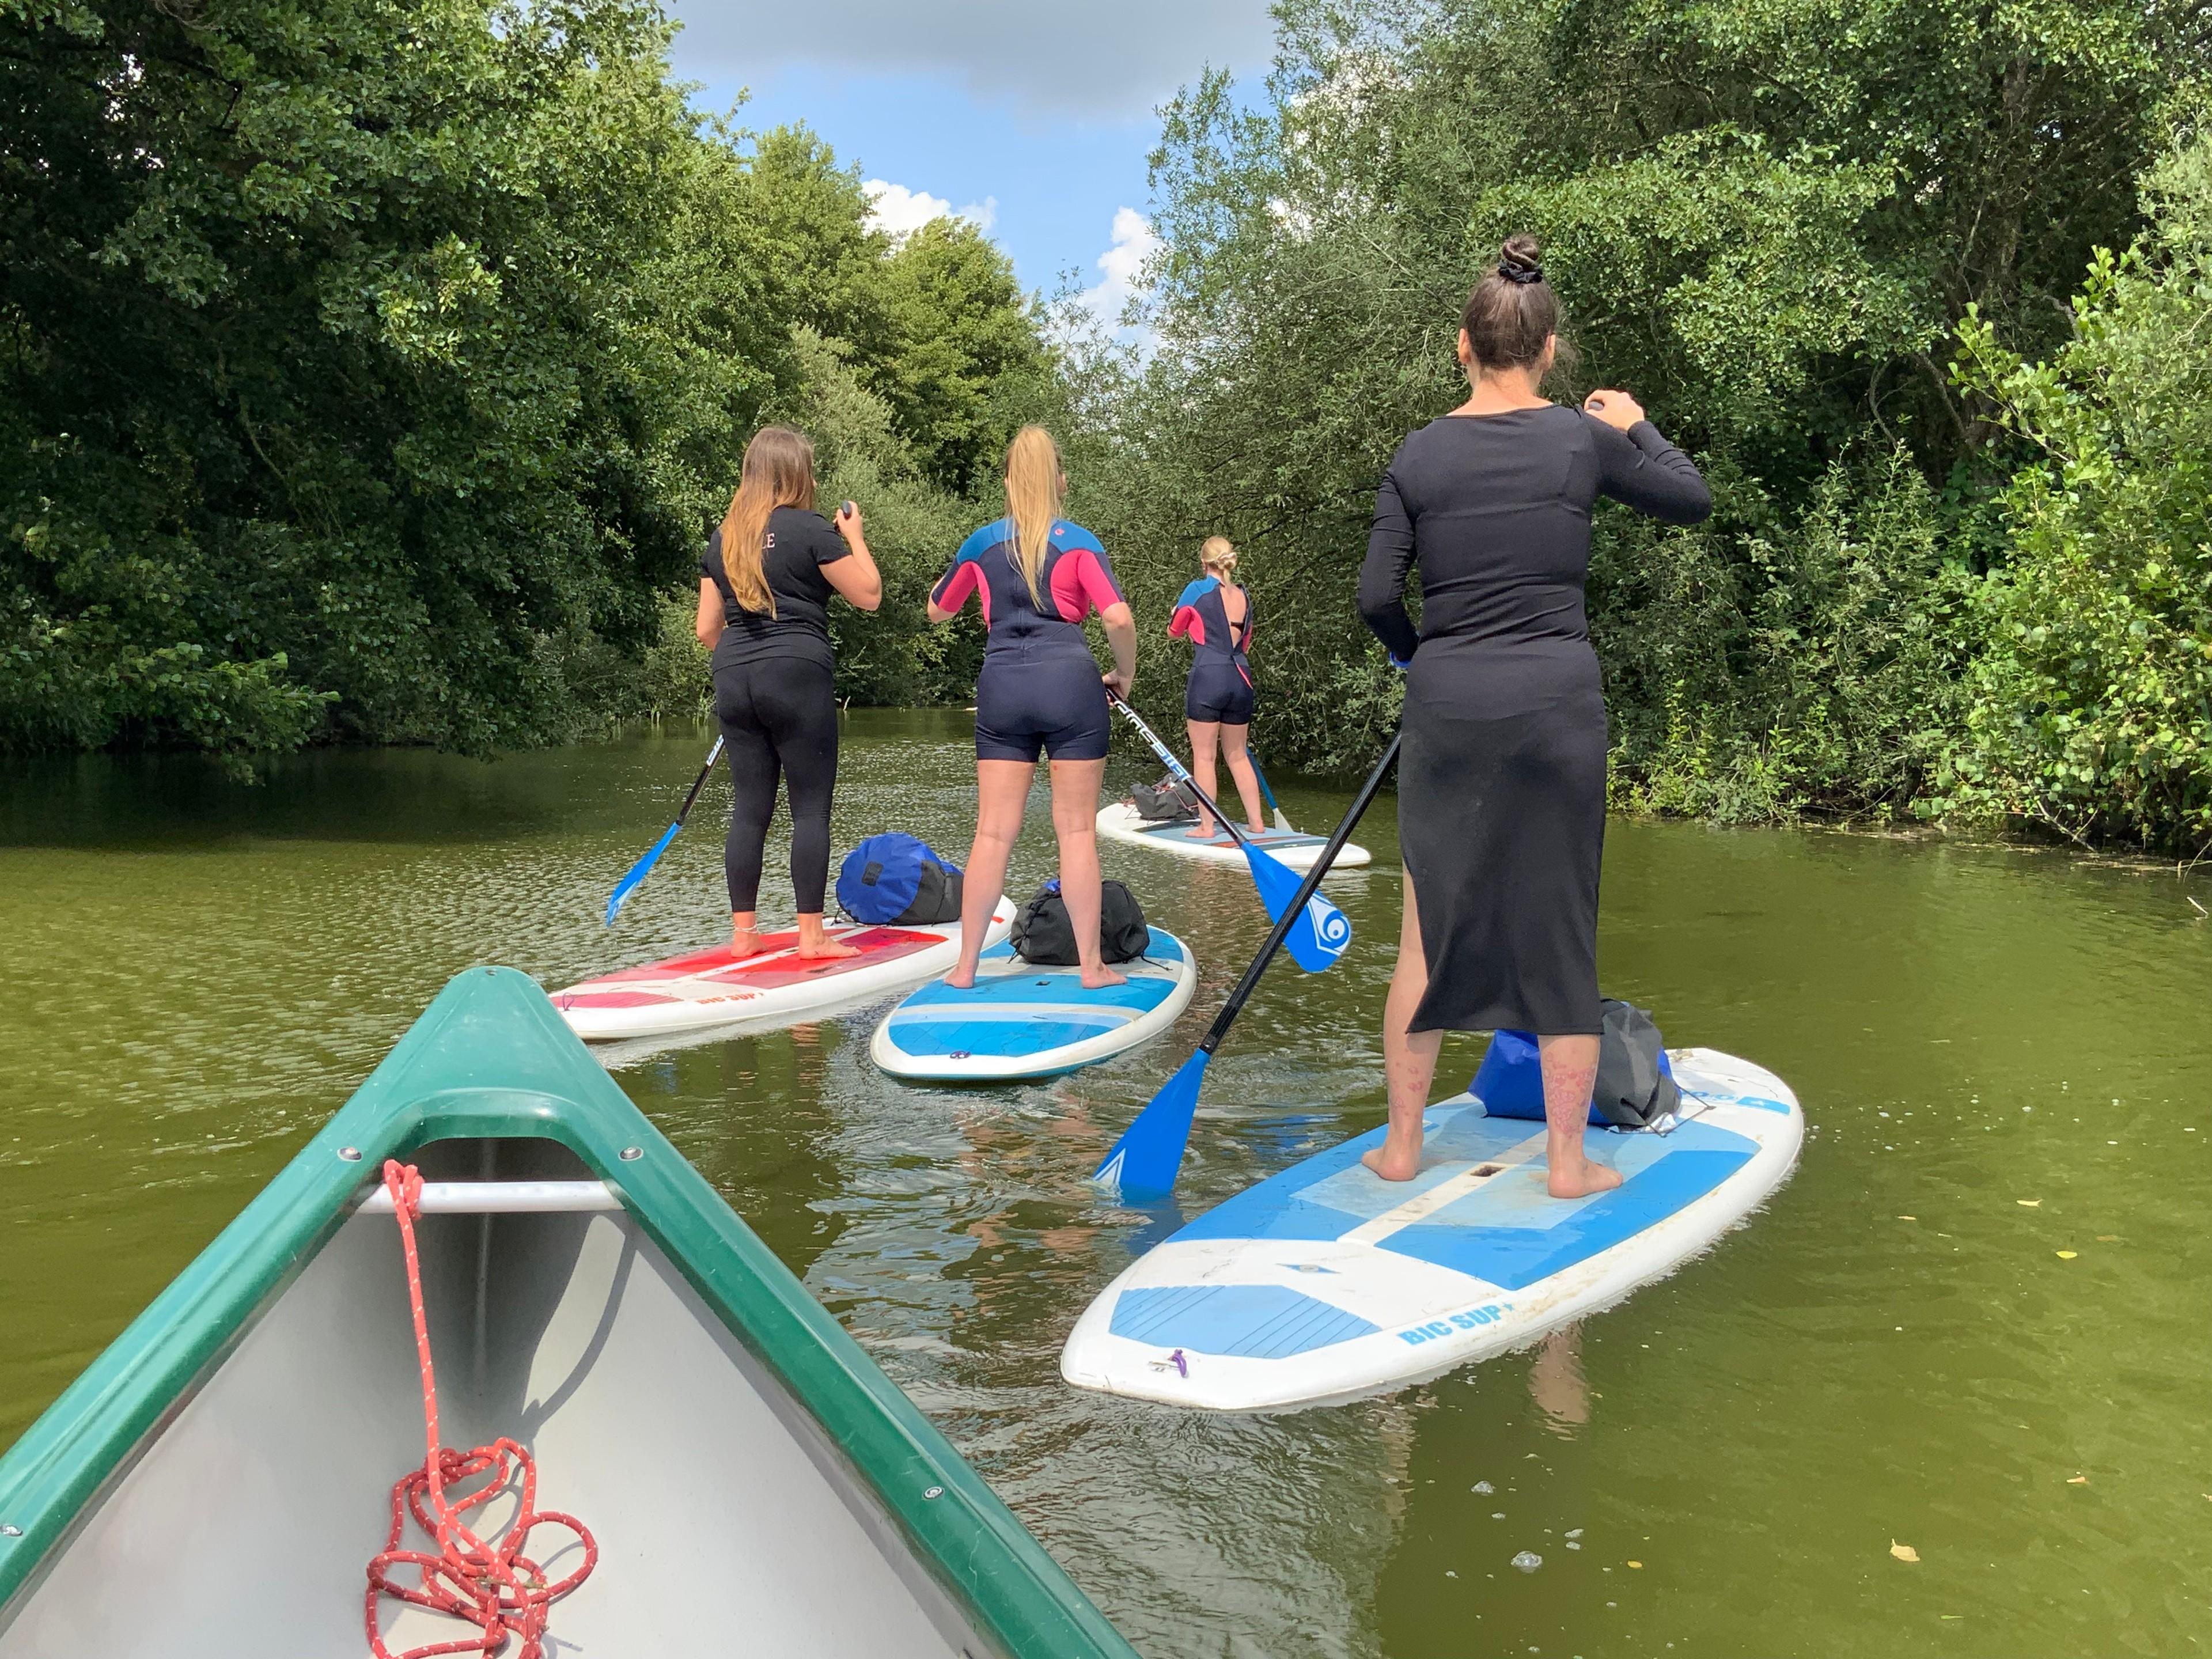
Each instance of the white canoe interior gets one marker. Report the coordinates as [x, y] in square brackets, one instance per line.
[726, 1522]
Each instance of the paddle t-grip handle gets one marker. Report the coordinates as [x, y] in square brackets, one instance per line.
[1296, 907]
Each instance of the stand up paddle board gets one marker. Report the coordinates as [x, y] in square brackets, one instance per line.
[1020, 1020]
[772, 987]
[1326, 1282]
[1292, 848]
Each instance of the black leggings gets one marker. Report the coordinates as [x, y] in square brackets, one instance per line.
[778, 715]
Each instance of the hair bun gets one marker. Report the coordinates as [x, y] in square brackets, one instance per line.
[1520, 260]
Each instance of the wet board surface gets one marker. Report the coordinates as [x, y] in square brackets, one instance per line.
[710, 988]
[1326, 1282]
[1293, 848]
[1020, 1020]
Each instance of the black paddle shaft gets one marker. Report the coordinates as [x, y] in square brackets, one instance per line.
[1307, 889]
[1181, 774]
[700, 782]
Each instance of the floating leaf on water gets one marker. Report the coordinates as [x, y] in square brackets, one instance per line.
[1635, 1564]
[2108, 1238]
[2027, 1203]
[1527, 1560]
[1908, 1218]
[2077, 1480]
[2067, 1255]
[1902, 1552]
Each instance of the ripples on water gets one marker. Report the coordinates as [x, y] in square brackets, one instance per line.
[199, 974]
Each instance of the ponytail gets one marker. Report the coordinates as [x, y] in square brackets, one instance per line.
[778, 471]
[1033, 501]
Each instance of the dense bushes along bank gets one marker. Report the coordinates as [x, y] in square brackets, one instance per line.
[374, 369]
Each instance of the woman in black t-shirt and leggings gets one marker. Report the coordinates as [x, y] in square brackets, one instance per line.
[764, 592]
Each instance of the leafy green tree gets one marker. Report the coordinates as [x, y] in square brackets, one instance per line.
[2091, 709]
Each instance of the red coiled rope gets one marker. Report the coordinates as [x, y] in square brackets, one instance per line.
[496, 1588]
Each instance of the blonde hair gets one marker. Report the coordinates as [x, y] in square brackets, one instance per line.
[1219, 553]
[778, 471]
[1033, 501]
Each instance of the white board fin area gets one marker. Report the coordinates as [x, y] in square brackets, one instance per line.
[1326, 1282]
[1121, 822]
[1020, 1020]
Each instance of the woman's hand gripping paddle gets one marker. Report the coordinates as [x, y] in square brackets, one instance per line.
[1318, 931]
[1145, 1160]
[638, 872]
[1282, 822]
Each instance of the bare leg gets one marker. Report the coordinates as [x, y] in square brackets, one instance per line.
[1556, 1381]
[1075, 821]
[1239, 759]
[1204, 736]
[744, 934]
[1409, 1058]
[1002, 789]
[814, 942]
[1569, 1074]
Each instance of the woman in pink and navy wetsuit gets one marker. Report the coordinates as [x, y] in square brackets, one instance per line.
[1036, 577]
[1215, 615]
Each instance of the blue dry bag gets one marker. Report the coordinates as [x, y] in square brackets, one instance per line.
[897, 879]
[1635, 1083]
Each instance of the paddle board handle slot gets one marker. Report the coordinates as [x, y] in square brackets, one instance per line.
[1488, 1168]
[503, 1197]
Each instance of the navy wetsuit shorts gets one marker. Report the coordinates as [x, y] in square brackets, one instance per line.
[1033, 699]
[1216, 691]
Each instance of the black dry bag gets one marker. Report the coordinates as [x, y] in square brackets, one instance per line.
[1043, 934]
[1164, 802]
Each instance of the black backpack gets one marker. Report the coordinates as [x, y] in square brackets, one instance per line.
[1164, 802]
[1043, 934]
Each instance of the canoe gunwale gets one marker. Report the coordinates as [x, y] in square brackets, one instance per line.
[436, 1085]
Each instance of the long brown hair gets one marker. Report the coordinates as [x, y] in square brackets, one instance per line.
[1033, 501]
[1513, 311]
[779, 471]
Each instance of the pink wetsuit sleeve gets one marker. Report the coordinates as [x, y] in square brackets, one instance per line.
[966, 577]
[1188, 624]
[1080, 585]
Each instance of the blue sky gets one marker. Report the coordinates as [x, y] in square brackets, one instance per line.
[1035, 118]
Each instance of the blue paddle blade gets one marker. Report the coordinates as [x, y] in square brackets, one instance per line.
[1145, 1160]
[638, 872]
[1316, 939]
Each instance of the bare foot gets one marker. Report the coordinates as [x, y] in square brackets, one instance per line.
[1392, 1161]
[1098, 979]
[745, 942]
[962, 979]
[1581, 1179]
[1201, 834]
[827, 947]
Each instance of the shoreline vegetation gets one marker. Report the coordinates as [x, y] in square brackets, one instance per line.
[371, 378]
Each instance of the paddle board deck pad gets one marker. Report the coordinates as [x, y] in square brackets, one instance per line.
[1290, 847]
[710, 989]
[1326, 1282]
[1020, 1020]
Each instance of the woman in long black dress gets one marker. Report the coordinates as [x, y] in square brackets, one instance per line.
[1501, 783]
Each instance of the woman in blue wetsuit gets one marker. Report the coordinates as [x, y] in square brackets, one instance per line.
[1036, 577]
[1215, 615]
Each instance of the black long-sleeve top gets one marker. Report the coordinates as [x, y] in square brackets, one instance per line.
[1496, 510]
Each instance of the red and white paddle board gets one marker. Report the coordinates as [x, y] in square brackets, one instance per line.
[775, 986]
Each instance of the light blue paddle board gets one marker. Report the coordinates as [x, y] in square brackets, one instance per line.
[1291, 848]
[1019, 1020]
[1327, 1283]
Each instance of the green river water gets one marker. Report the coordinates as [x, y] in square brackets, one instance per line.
[2000, 1051]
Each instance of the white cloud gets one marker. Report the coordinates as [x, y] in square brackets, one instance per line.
[1046, 55]
[897, 211]
[1123, 267]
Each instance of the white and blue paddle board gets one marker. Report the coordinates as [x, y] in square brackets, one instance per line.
[1327, 1283]
[1292, 848]
[1020, 1020]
